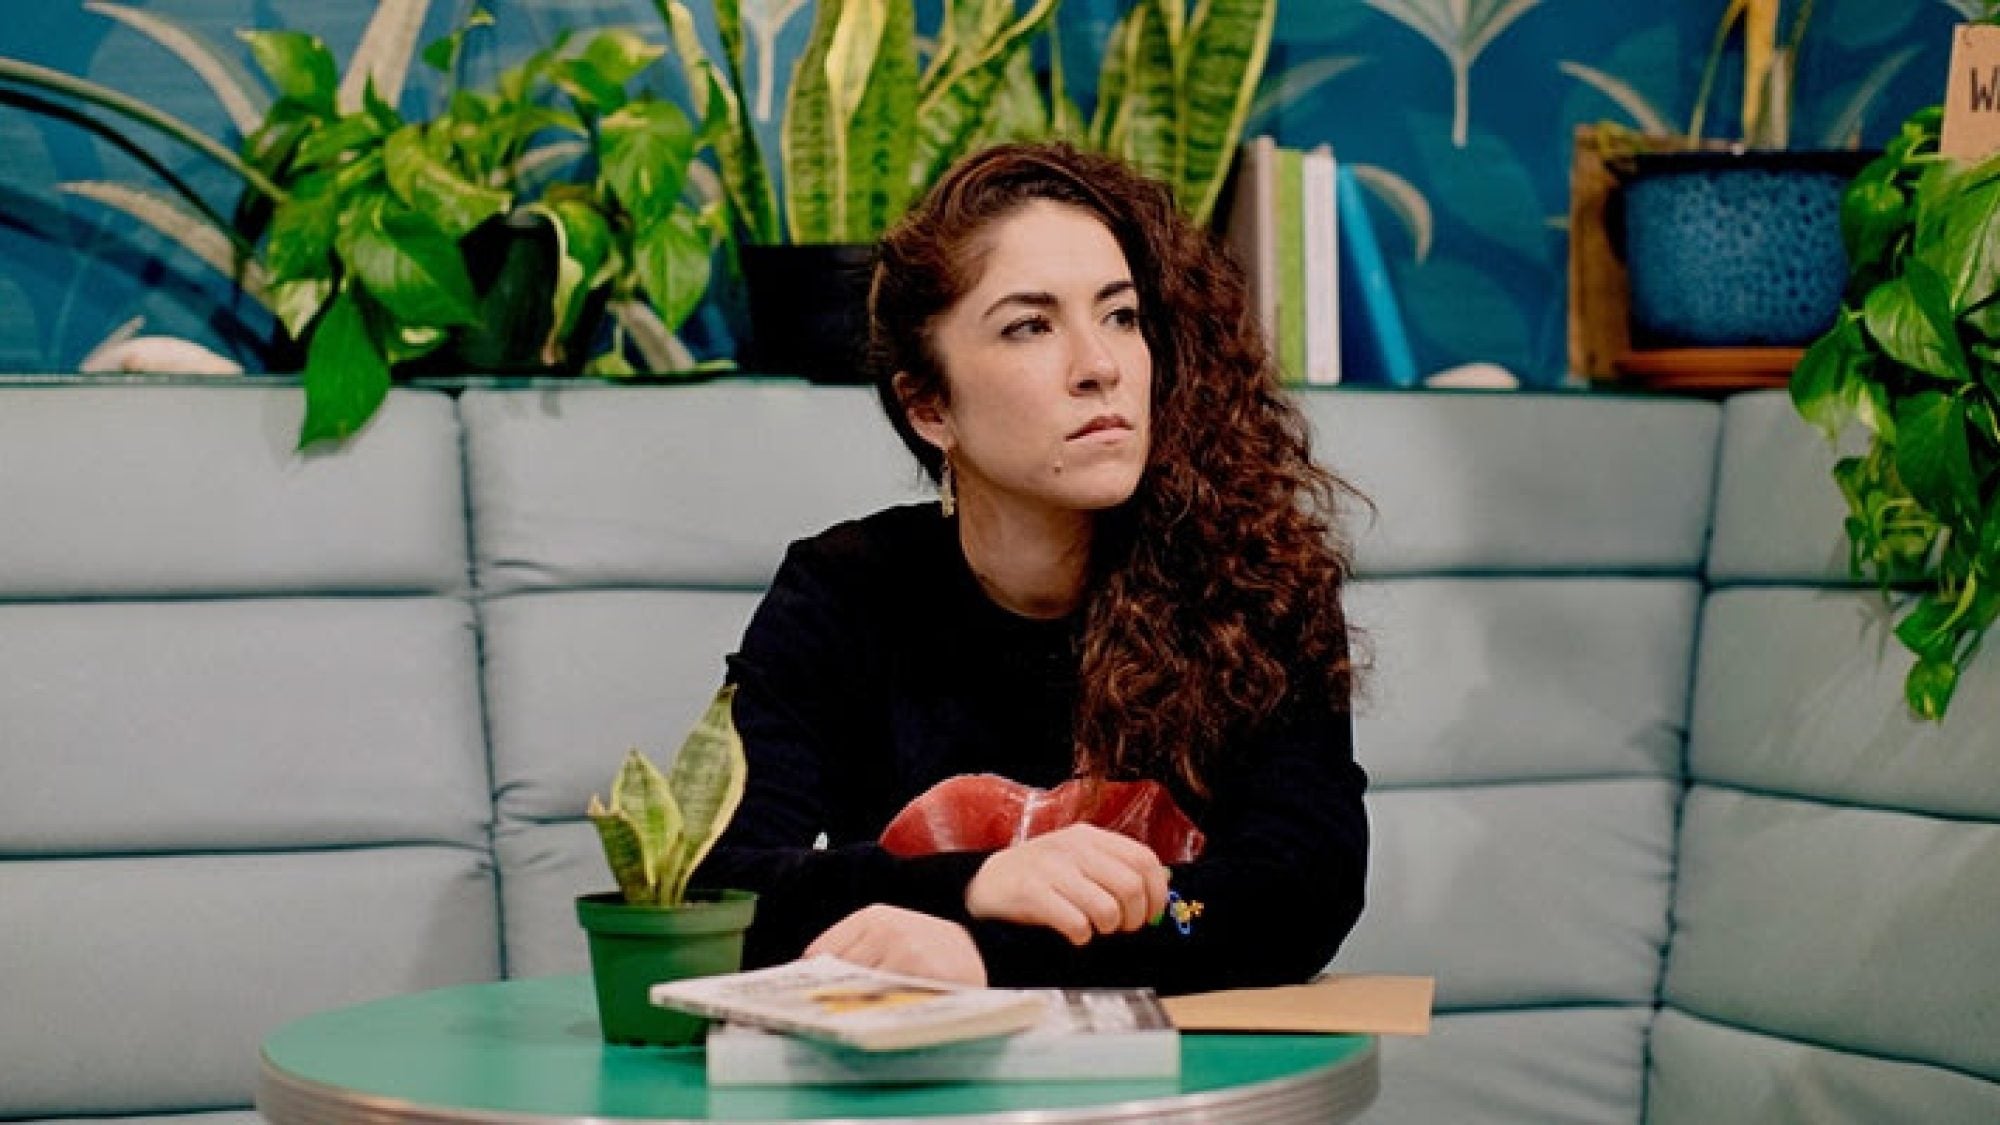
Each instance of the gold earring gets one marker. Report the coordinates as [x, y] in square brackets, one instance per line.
[947, 495]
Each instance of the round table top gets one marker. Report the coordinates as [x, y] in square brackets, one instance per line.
[529, 1051]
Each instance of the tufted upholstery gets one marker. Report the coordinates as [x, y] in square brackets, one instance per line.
[279, 733]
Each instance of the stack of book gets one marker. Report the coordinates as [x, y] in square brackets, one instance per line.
[1299, 227]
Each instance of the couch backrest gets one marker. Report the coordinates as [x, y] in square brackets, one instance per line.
[1834, 944]
[622, 537]
[242, 773]
[1529, 595]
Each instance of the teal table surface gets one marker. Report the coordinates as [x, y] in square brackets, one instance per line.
[529, 1050]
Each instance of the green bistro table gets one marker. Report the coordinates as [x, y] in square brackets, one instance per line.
[528, 1051]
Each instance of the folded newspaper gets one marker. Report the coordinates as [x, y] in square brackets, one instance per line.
[829, 999]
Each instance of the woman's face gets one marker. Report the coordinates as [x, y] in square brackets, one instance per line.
[1048, 379]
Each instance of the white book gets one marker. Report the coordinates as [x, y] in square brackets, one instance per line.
[1322, 280]
[869, 1009]
[1092, 1033]
[1252, 229]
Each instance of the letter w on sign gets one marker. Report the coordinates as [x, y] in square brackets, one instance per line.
[1972, 94]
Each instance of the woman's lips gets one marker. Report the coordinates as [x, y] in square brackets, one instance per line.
[1104, 426]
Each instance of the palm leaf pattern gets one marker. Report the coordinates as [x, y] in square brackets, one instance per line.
[1461, 30]
[765, 19]
[1844, 130]
[1636, 106]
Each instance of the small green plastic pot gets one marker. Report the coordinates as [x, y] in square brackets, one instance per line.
[633, 948]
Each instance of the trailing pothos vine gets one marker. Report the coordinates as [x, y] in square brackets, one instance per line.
[1915, 359]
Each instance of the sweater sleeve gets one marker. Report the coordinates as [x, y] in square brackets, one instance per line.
[1279, 883]
[808, 709]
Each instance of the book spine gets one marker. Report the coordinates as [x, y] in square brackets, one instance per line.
[1377, 339]
[1291, 321]
[1322, 269]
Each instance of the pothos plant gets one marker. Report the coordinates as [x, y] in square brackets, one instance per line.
[358, 228]
[1914, 358]
[657, 827]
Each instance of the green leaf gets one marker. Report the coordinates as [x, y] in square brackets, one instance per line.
[1825, 383]
[443, 53]
[1933, 455]
[1872, 213]
[346, 377]
[647, 146]
[1222, 63]
[622, 851]
[672, 261]
[873, 153]
[1929, 687]
[707, 779]
[302, 230]
[298, 64]
[407, 262]
[808, 137]
[620, 55]
[327, 144]
[1144, 133]
[748, 181]
[430, 186]
[1960, 246]
[641, 794]
[950, 117]
[1900, 316]
[297, 303]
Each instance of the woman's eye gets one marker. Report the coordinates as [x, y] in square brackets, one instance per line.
[1026, 326]
[1125, 317]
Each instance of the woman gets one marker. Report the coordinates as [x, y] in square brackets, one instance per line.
[1129, 575]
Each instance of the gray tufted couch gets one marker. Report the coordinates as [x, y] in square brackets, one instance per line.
[283, 733]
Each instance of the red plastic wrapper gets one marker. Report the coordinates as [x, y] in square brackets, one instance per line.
[986, 812]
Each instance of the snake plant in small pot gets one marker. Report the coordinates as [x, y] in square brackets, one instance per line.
[656, 829]
[866, 129]
[1914, 360]
[459, 243]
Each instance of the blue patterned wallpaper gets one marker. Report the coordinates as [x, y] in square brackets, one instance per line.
[1456, 113]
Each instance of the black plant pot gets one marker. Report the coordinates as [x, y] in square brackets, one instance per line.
[1735, 248]
[809, 310]
[513, 262]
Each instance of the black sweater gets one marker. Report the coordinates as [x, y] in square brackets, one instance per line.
[876, 667]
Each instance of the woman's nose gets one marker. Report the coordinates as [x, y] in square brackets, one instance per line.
[1093, 364]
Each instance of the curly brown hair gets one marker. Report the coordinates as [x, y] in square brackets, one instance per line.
[1215, 591]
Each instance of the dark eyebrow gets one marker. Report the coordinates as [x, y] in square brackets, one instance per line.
[1048, 301]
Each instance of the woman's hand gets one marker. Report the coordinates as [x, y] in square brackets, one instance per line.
[1079, 881]
[903, 941]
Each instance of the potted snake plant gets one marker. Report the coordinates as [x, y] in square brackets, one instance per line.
[866, 129]
[384, 245]
[656, 829]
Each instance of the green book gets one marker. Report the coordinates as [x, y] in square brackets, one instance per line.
[1291, 240]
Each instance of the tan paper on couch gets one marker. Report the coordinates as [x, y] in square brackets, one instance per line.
[1357, 1003]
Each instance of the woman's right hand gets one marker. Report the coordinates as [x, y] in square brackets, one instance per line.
[1079, 881]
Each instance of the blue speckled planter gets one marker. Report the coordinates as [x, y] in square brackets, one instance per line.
[1735, 249]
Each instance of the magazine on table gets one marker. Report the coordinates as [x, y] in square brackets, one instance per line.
[868, 1009]
[1084, 1033]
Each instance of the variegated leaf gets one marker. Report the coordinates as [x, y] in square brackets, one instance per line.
[708, 776]
[947, 120]
[1226, 45]
[878, 139]
[807, 140]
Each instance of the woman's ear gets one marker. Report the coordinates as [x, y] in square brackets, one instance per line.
[925, 412]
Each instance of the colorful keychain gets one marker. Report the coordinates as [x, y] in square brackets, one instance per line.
[1182, 911]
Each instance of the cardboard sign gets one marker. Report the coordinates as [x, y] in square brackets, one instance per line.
[1972, 94]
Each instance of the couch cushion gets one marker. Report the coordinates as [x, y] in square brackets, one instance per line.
[1706, 1072]
[1565, 1066]
[1552, 483]
[1778, 513]
[174, 490]
[153, 979]
[704, 485]
[261, 722]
